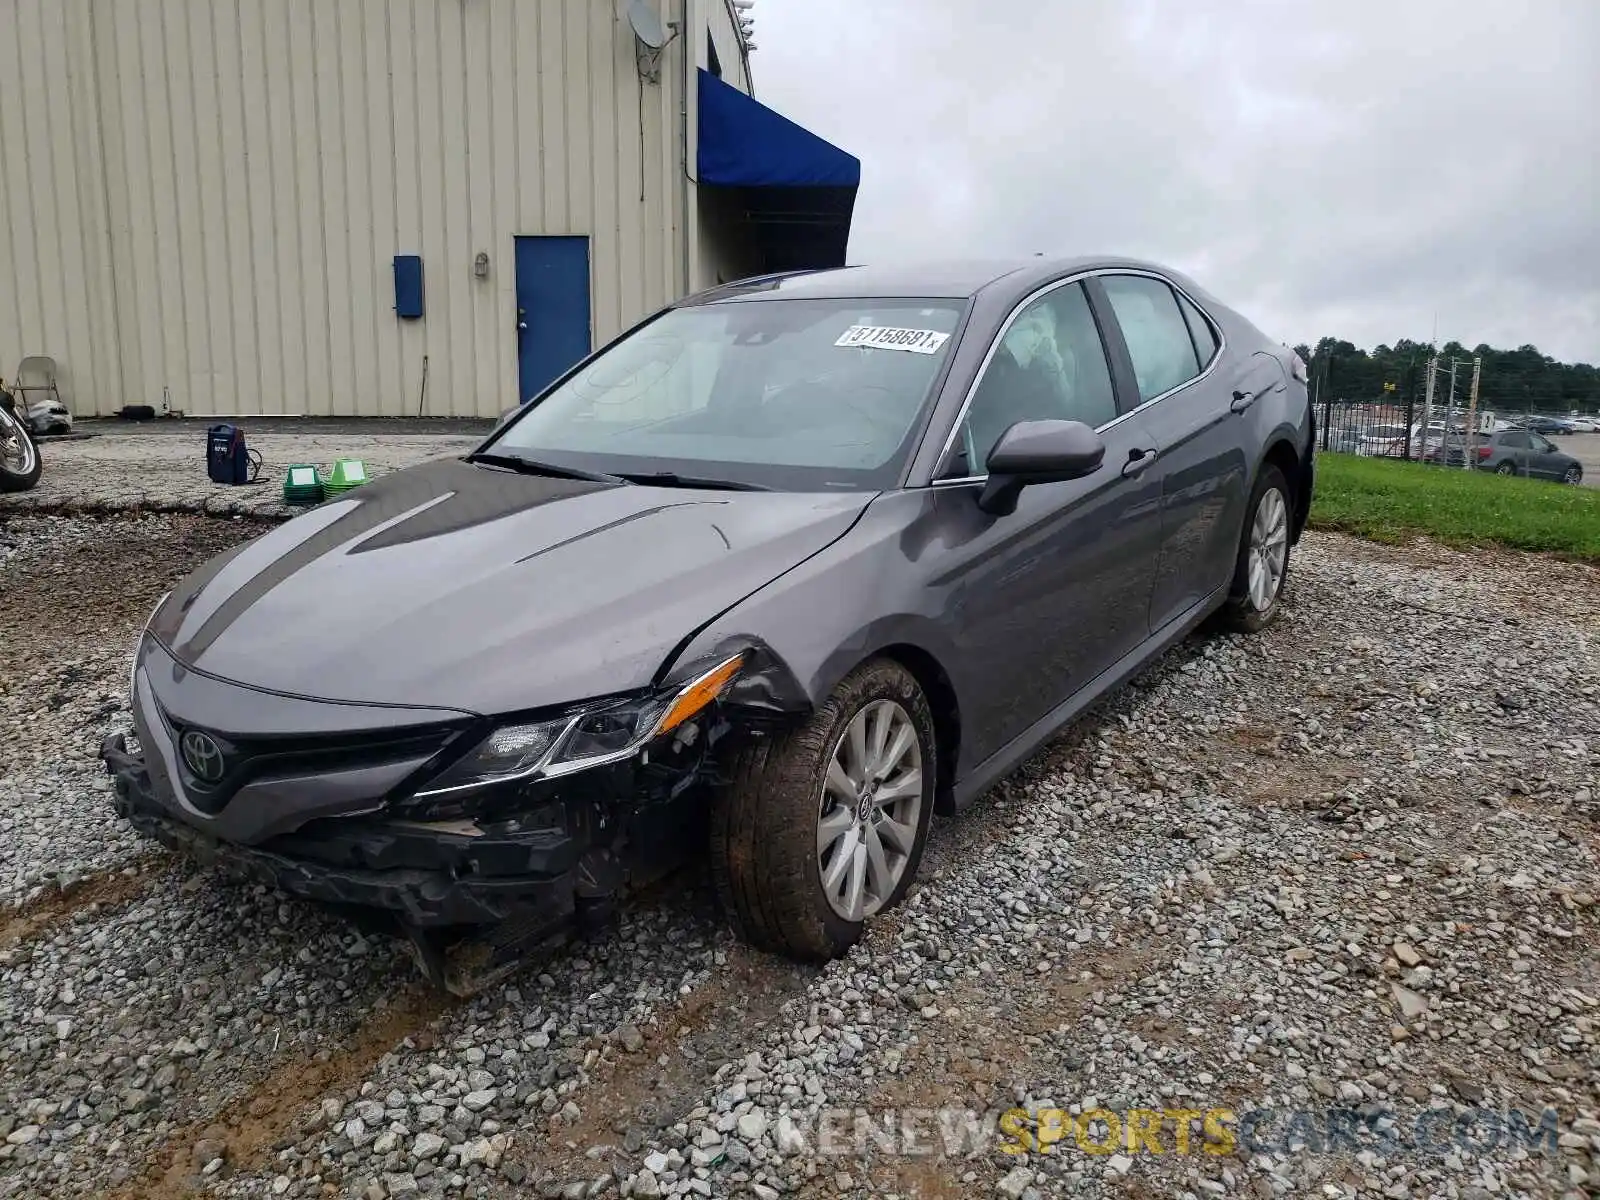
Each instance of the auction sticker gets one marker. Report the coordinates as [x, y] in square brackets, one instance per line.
[886, 337]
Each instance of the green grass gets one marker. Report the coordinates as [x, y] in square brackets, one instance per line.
[1388, 501]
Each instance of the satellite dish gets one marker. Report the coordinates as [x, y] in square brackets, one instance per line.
[647, 26]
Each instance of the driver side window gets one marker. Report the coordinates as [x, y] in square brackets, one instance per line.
[1049, 365]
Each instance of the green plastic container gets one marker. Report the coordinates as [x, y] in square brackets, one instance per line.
[303, 485]
[347, 473]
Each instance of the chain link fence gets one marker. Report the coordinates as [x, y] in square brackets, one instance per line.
[1407, 419]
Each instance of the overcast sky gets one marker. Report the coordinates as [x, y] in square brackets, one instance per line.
[1346, 167]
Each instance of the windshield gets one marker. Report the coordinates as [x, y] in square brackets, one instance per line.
[797, 395]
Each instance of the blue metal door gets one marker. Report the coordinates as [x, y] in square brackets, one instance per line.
[552, 308]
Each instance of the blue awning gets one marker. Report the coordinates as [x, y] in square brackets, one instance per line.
[794, 190]
[743, 143]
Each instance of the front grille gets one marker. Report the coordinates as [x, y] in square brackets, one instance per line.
[244, 760]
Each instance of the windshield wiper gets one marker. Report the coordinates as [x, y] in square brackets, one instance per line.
[673, 479]
[531, 466]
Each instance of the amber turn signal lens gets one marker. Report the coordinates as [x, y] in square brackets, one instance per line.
[696, 695]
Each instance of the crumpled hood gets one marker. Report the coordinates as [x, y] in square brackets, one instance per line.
[458, 586]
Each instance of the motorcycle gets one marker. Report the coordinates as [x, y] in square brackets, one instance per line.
[20, 465]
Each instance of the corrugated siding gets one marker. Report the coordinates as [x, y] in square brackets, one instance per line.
[204, 197]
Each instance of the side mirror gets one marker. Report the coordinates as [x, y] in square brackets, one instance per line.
[1038, 452]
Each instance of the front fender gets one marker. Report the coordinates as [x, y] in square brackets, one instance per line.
[811, 627]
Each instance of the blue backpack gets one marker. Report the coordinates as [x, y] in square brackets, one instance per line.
[228, 459]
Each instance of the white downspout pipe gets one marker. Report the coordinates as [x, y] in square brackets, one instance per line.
[685, 286]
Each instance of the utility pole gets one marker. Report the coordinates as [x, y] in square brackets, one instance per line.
[1470, 460]
[1449, 411]
[1427, 403]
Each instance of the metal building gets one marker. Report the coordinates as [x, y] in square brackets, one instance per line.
[379, 207]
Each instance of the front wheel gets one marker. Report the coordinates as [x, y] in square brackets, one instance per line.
[820, 829]
[19, 457]
[1263, 562]
[1574, 475]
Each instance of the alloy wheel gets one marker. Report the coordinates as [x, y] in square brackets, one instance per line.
[1269, 549]
[1574, 475]
[870, 810]
[16, 448]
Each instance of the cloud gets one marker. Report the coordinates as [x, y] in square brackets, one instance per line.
[1349, 167]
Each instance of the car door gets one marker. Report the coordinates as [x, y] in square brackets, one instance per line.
[1040, 602]
[1544, 460]
[1189, 392]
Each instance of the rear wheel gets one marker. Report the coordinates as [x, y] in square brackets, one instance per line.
[19, 457]
[1506, 468]
[1263, 562]
[822, 828]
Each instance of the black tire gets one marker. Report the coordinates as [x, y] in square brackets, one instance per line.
[1574, 475]
[1239, 613]
[1506, 468]
[764, 821]
[12, 480]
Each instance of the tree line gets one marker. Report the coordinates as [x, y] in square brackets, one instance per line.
[1520, 380]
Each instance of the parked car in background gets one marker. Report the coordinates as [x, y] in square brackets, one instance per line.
[1584, 424]
[1452, 451]
[1524, 452]
[1386, 441]
[782, 570]
[1344, 439]
[1549, 425]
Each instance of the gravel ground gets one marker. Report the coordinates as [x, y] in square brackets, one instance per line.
[1346, 866]
[136, 469]
[72, 595]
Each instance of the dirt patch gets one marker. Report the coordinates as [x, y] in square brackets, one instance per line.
[637, 1090]
[253, 1124]
[49, 912]
[1260, 765]
[922, 1178]
[966, 1057]
[1058, 997]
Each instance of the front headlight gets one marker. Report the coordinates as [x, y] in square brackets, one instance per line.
[587, 738]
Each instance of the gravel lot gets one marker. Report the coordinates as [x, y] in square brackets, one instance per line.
[161, 466]
[1350, 863]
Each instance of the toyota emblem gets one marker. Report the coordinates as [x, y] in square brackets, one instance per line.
[202, 756]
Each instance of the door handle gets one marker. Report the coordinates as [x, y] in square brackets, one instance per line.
[1243, 400]
[1138, 460]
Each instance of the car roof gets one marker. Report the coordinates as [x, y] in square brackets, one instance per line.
[946, 278]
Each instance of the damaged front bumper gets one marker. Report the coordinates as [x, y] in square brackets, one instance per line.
[475, 898]
[447, 873]
[466, 834]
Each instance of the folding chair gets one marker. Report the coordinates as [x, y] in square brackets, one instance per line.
[36, 373]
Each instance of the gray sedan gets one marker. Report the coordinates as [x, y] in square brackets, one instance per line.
[786, 570]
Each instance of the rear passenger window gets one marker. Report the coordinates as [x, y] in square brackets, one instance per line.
[1205, 337]
[1157, 335]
